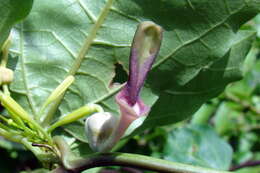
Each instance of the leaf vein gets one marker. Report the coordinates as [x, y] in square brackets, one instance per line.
[25, 81]
[93, 76]
[191, 92]
[190, 5]
[204, 44]
[89, 40]
[76, 93]
[101, 42]
[193, 40]
[103, 104]
[110, 93]
[63, 45]
[91, 16]
[125, 15]
[98, 61]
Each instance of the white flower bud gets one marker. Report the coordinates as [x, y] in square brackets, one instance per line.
[6, 75]
[100, 128]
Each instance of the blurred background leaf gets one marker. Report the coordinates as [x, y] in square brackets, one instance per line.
[198, 145]
[12, 12]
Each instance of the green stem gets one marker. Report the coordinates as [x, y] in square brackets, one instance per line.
[12, 123]
[137, 161]
[90, 38]
[6, 89]
[10, 136]
[75, 115]
[4, 127]
[13, 107]
[123, 159]
[242, 102]
[16, 112]
[30, 147]
[51, 110]
[203, 114]
[45, 134]
[56, 94]
[41, 156]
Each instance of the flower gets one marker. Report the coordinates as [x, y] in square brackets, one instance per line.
[145, 47]
[103, 129]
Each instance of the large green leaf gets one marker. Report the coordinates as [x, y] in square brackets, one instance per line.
[197, 34]
[198, 145]
[12, 11]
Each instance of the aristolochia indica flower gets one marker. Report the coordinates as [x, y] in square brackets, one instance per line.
[103, 130]
[145, 47]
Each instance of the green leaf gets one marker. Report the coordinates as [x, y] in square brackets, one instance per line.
[197, 46]
[81, 149]
[77, 130]
[48, 46]
[179, 102]
[12, 11]
[198, 145]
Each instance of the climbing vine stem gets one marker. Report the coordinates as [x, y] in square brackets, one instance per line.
[122, 159]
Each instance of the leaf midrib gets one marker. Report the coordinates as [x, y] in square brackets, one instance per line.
[89, 40]
[25, 81]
